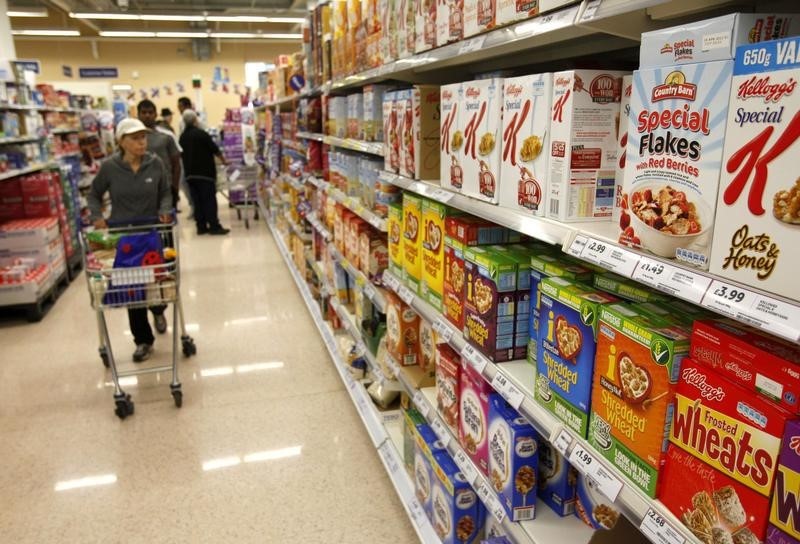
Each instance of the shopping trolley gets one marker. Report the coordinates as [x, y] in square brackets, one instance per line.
[156, 282]
[241, 183]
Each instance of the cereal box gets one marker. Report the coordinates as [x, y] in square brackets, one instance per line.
[427, 445]
[433, 218]
[427, 346]
[411, 420]
[594, 508]
[391, 139]
[759, 197]
[394, 225]
[406, 36]
[405, 129]
[784, 515]
[636, 369]
[402, 331]
[425, 106]
[672, 161]
[451, 138]
[479, 15]
[522, 299]
[526, 127]
[481, 123]
[735, 433]
[457, 514]
[425, 25]
[473, 416]
[412, 241]
[569, 314]
[759, 362]
[373, 256]
[513, 459]
[557, 480]
[373, 112]
[583, 147]
[449, 21]
[491, 284]
[355, 115]
[712, 39]
[448, 385]
[626, 288]
[622, 143]
[510, 11]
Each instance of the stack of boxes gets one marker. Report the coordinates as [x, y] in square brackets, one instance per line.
[31, 259]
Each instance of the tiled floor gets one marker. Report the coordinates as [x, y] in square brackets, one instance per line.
[267, 446]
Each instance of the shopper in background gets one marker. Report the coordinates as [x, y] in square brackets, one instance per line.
[199, 151]
[165, 127]
[139, 186]
[166, 120]
[163, 145]
[184, 103]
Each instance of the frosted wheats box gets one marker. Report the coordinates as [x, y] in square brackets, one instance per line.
[481, 122]
[673, 159]
[583, 144]
[784, 515]
[525, 142]
[758, 207]
[735, 436]
[451, 138]
[713, 39]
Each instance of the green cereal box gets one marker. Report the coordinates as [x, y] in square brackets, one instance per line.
[676, 312]
[627, 289]
[522, 257]
[491, 280]
[567, 342]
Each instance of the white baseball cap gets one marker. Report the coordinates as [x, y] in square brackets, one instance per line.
[129, 125]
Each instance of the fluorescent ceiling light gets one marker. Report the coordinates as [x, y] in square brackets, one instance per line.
[233, 35]
[126, 34]
[181, 34]
[282, 36]
[165, 17]
[107, 16]
[89, 481]
[172, 17]
[45, 32]
[27, 13]
[121, 87]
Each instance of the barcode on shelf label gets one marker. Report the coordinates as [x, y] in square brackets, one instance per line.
[507, 390]
[441, 195]
[405, 294]
[443, 329]
[562, 441]
[672, 279]
[587, 462]
[416, 511]
[468, 46]
[465, 465]
[376, 221]
[369, 291]
[496, 508]
[659, 530]
[474, 358]
[390, 281]
[422, 404]
[441, 431]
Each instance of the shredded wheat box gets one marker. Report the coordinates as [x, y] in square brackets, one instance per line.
[583, 147]
[758, 208]
[451, 138]
[481, 123]
[736, 434]
[784, 515]
[525, 142]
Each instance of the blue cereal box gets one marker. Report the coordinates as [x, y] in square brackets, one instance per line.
[594, 508]
[427, 445]
[567, 344]
[557, 480]
[513, 459]
[457, 515]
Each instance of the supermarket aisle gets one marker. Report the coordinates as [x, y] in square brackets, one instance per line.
[267, 446]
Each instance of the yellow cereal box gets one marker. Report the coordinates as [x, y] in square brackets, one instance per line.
[433, 216]
[412, 241]
[394, 224]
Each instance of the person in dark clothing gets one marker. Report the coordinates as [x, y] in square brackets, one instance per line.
[163, 145]
[139, 186]
[199, 151]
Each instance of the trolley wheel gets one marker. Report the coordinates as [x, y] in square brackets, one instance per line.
[104, 356]
[124, 407]
[255, 215]
[177, 395]
[189, 348]
[246, 223]
[238, 214]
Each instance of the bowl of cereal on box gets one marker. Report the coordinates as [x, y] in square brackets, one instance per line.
[662, 219]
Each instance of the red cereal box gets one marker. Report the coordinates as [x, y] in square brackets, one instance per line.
[448, 387]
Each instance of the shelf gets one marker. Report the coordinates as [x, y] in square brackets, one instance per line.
[27, 170]
[65, 130]
[293, 145]
[304, 236]
[311, 136]
[288, 99]
[353, 204]
[319, 227]
[20, 139]
[370, 291]
[317, 182]
[517, 389]
[68, 155]
[596, 243]
[373, 148]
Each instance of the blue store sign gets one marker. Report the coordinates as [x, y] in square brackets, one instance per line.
[104, 72]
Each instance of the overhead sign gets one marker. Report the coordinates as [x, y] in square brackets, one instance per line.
[66, 70]
[103, 72]
[29, 65]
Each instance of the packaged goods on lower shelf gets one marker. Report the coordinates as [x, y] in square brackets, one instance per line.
[758, 362]
[565, 360]
[412, 241]
[593, 507]
[11, 204]
[434, 215]
[448, 386]
[473, 415]
[784, 513]
[457, 514]
[427, 345]
[394, 227]
[481, 125]
[411, 420]
[427, 446]
[28, 233]
[627, 289]
[402, 331]
[373, 256]
[45, 254]
[26, 288]
[636, 371]
[521, 256]
[557, 480]
[724, 447]
[513, 459]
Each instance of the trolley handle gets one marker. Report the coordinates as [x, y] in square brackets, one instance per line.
[140, 221]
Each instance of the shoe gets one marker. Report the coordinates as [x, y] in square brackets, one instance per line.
[142, 353]
[201, 232]
[219, 231]
[161, 323]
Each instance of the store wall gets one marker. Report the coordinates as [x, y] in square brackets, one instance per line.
[158, 64]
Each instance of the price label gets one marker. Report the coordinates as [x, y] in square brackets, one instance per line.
[465, 465]
[441, 195]
[508, 390]
[390, 281]
[393, 366]
[577, 246]
[379, 377]
[441, 431]
[376, 222]
[391, 460]
[616, 259]
[494, 506]
[468, 46]
[369, 291]
[585, 461]
[405, 294]
[443, 329]
[562, 441]
[234, 175]
[672, 279]
[591, 9]
[422, 404]
[483, 492]
[659, 530]
[474, 358]
[416, 511]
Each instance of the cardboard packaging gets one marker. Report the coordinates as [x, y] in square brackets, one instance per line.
[402, 331]
[394, 225]
[28, 233]
[391, 136]
[355, 116]
[784, 525]
[412, 241]
[406, 35]
[594, 508]
[449, 21]
[627, 289]
[411, 420]
[425, 25]
[457, 514]
[522, 298]
[557, 480]
[672, 164]
[758, 207]
[427, 445]
[427, 346]
[451, 138]
[425, 104]
[625, 125]
[481, 123]
[373, 112]
[511, 11]
[434, 214]
[473, 416]
[583, 147]
[479, 16]
[525, 143]
[448, 385]
[405, 130]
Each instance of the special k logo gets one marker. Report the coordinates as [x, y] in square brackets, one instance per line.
[675, 87]
[694, 377]
[513, 90]
[763, 87]
[472, 92]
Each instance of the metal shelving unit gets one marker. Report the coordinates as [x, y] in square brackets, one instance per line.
[372, 148]
[311, 136]
[370, 291]
[27, 170]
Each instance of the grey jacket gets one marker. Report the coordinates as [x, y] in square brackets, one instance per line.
[144, 194]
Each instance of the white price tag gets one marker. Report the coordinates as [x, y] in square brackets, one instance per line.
[562, 441]
[508, 390]
[465, 465]
[496, 508]
[391, 281]
[379, 377]
[376, 222]
[416, 511]
[761, 311]
[659, 530]
[422, 404]
[474, 44]
[473, 357]
[405, 294]
[441, 195]
[443, 329]
[369, 291]
[394, 366]
[577, 246]
[441, 431]
[672, 279]
[483, 492]
[616, 259]
[591, 9]
[587, 462]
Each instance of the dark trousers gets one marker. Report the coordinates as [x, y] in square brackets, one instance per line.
[140, 326]
[204, 195]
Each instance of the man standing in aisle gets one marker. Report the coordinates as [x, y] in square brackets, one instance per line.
[162, 145]
[183, 104]
[166, 120]
[199, 151]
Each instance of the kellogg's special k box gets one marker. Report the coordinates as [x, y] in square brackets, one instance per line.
[451, 138]
[758, 209]
[481, 122]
